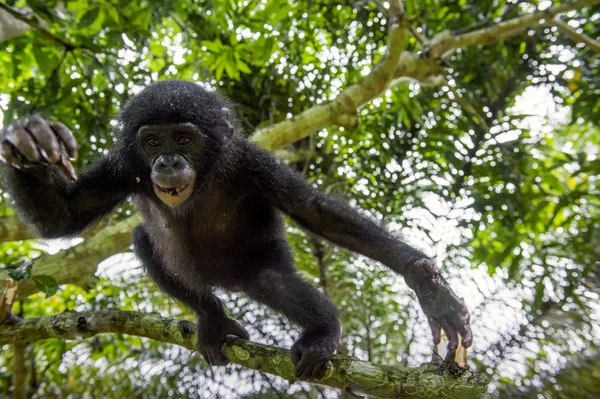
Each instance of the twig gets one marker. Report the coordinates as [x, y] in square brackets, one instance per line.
[470, 109]
[7, 300]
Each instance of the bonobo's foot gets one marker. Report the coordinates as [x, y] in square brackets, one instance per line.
[312, 352]
[444, 309]
[211, 335]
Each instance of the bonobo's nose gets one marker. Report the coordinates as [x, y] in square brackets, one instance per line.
[169, 162]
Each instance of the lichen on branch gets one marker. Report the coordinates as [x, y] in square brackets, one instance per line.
[345, 373]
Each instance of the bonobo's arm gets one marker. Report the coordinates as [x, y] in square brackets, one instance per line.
[343, 225]
[34, 175]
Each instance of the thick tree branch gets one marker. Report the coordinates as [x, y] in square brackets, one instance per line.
[342, 110]
[425, 69]
[77, 265]
[502, 30]
[344, 373]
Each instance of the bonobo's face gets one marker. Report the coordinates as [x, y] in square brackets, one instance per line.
[169, 150]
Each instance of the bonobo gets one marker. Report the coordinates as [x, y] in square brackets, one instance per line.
[211, 203]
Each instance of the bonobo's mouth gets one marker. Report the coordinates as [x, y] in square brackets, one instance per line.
[172, 190]
[174, 195]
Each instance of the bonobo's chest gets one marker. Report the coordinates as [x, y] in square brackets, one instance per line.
[212, 219]
[212, 241]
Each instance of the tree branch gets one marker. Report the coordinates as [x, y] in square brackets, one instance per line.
[345, 373]
[35, 24]
[19, 372]
[502, 30]
[77, 265]
[425, 69]
[12, 27]
[342, 110]
[568, 30]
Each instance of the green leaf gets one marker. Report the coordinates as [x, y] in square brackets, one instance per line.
[23, 272]
[213, 47]
[45, 283]
[89, 18]
[46, 59]
[242, 66]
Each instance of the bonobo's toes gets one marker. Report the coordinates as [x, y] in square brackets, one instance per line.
[311, 358]
[212, 335]
[212, 354]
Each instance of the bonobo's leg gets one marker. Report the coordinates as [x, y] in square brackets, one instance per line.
[304, 305]
[213, 324]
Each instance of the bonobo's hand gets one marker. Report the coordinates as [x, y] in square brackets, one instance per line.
[211, 336]
[36, 142]
[444, 309]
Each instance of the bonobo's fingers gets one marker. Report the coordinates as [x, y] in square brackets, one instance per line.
[214, 357]
[452, 335]
[464, 329]
[25, 144]
[9, 154]
[66, 137]
[212, 336]
[47, 142]
[67, 168]
[436, 331]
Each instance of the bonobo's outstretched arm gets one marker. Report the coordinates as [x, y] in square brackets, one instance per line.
[36, 164]
[341, 224]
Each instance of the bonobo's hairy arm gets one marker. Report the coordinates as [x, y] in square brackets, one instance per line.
[343, 225]
[34, 175]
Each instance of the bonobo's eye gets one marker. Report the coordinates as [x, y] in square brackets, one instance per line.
[183, 140]
[153, 142]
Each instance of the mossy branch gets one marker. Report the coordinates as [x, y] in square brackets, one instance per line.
[344, 373]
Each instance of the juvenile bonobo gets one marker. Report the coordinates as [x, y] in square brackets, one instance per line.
[211, 203]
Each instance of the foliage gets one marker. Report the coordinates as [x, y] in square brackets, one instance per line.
[509, 202]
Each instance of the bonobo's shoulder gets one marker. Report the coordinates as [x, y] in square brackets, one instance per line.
[253, 158]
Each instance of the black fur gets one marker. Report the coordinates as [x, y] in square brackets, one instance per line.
[228, 234]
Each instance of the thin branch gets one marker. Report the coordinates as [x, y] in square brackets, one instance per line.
[470, 109]
[36, 25]
[568, 30]
[420, 38]
[344, 372]
[502, 30]
[7, 300]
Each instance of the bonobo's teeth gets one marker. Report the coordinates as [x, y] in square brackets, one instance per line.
[175, 191]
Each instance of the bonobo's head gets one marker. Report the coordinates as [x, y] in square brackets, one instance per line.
[168, 150]
[171, 134]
